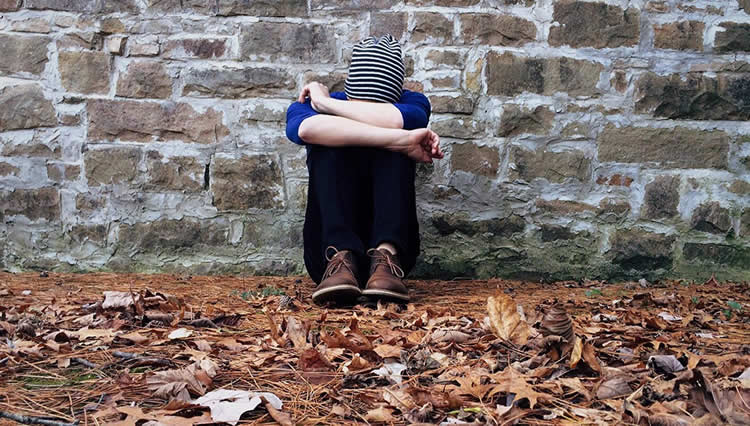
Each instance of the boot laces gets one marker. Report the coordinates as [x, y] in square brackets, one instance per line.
[335, 262]
[383, 257]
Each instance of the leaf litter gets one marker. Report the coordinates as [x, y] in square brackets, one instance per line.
[173, 349]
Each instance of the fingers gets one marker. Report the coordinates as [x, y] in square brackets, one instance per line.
[303, 94]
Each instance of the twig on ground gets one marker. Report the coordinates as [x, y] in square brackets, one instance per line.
[31, 420]
[84, 362]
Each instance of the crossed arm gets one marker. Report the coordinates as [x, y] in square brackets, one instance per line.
[358, 123]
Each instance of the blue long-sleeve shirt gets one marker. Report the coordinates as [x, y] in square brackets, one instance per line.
[414, 107]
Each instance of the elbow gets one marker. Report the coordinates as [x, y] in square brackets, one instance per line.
[305, 131]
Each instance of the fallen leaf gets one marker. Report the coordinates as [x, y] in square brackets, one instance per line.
[391, 371]
[381, 414]
[388, 351]
[664, 364]
[229, 405]
[117, 299]
[505, 321]
[179, 333]
[297, 333]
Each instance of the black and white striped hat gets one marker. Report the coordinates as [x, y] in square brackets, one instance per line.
[377, 70]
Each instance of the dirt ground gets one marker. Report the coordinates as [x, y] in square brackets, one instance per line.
[142, 349]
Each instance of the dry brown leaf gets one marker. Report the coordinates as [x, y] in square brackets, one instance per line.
[381, 414]
[284, 419]
[577, 353]
[505, 321]
[614, 387]
[297, 333]
[388, 351]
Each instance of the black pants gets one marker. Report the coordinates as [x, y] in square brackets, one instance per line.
[357, 199]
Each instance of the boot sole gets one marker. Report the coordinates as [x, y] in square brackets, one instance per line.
[345, 293]
[386, 294]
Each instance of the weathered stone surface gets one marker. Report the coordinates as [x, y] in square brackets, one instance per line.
[196, 48]
[553, 233]
[657, 6]
[510, 75]
[745, 223]
[41, 203]
[32, 149]
[741, 187]
[23, 54]
[7, 169]
[662, 197]
[563, 207]
[170, 235]
[282, 8]
[722, 254]
[694, 97]
[472, 158]
[174, 173]
[442, 59]
[556, 167]
[456, 3]
[85, 72]
[80, 40]
[181, 6]
[144, 46]
[111, 26]
[142, 121]
[83, 234]
[60, 172]
[115, 45]
[683, 35]
[393, 23]
[711, 217]
[679, 147]
[496, 30]
[594, 24]
[334, 81]
[449, 223]
[431, 27]
[10, 5]
[85, 6]
[734, 38]
[111, 165]
[145, 80]
[461, 104]
[461, 128]
[306, 43]
[516, 120]
[31, 25]
[248, 182]
[25, 107]
[237, 82]
[352, 4]
[744, 5]
[638, 250]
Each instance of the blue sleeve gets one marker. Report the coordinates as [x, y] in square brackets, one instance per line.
[415, 109]
[295, 114]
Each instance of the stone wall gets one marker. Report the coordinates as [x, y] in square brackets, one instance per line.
[584, 139]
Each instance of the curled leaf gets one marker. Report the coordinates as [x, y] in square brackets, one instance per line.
[505, 321]
[556, 322]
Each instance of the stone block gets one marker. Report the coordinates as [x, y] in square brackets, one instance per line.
[460, 128]
[305, 43]
[594, 24]
[393, 23]
[23, 54]
[248, 182]
[144, 46]
[145, 79]
[170, 235]
[196, 48]
[10, 5]
[85, 6]
[472, 158]
[511, 75]
[25, 107]
[745, 223]
[448, 223]
[553, 233]
[352, 4]
[639, 250]
[458, 104]
[721, 254]
[563, 207]
[683, 35]
[111, 26]
[694, 96]
[280, 8]
[40, 203]
[182, 6]
[744, 5]
[83, 234]
[662, 197]
[679, 147]
[144, 121]
[496, 30]
[517, 120]
[432, 27]
[334, 81]
[711, 217]
[85, 72]
[174, 173]
[735, 37]
[444, 59]
[111, 165]
[115, 45]
[80, 40]
[31, 25]
[741, 187]
[238, 82]
[7, 169]
[556, 167]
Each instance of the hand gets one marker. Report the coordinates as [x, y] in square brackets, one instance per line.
[421, 145]
[318, 94]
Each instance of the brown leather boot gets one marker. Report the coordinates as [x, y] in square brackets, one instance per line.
[339, 282]
[385, 277]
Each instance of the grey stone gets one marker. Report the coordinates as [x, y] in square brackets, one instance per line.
[145, 80]
[461, 128]
[280, 8]
[711, 217]
[734, 38]
[552, 233]
[642, 251]
[304, 43]
[472, 158]
[496, 30]
[721, 254]
[741, 187]
[334, 81]
[23, 54]
[431, 27]
[83, 234]
[7, 169]
[444, 3]
[449, 223]
[662, 197]
[144, 121]
[393, 23]
[249, 182]
[556, 167]
[25, 107]
[196, 48]
[171, 236]
[511, 75]
[744, 5]
[594, 24]
[41, 203]
[683, 35]
[745, 223]
[680, 147]
[85, 72]
[111, 165]
[85, 6]
[516, 120]
[352, 4]
[10, 5]
[461, 104]
[175, 173]
[238, 82]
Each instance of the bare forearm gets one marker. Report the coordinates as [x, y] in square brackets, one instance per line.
[331, 130]
[376, 114]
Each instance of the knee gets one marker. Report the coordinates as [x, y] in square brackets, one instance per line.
[318, 154]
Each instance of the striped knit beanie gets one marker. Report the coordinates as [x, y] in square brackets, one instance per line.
[376, 72]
